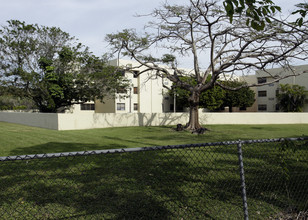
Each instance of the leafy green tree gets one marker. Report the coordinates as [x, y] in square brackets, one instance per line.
[258, 13]
[210, 99]
[52, 68]
[9, 102]
[201, 31]
[12, 98]
[244, 97]
[291, 98]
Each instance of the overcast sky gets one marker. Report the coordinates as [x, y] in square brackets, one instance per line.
[88, 20]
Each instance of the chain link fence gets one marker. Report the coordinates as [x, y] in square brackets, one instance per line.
[261, 179]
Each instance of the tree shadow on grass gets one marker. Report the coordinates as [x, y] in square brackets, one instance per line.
[192, 183]
[59, 147]
[275, 179]
[139, 185]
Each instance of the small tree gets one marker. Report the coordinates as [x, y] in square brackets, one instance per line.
[202, 31]
[210, 99]
[291, 98]
[52, 68]
[242, 98]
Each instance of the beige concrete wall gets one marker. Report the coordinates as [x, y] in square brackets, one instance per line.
[257, 118]
[88, 120]
[105, 120]
[41, 120]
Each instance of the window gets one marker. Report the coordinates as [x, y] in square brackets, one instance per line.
[136, 73]
[171, 107]
[121, 106]
[262, 107]
[261, 93]
[135, 90]
[261, 80]
[135, 106]
[87, 107]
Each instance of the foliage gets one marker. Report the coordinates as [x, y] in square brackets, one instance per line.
[302, 9]
[202, 31]
[52, 68]
[244, 97]
[217, 97]
[12, 98]
[8, 102]
[291, 98]
[257, 12]
[210, 99]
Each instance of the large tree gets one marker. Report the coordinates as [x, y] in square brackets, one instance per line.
[53, 68]
[202, 31]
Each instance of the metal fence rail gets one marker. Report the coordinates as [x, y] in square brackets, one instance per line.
[256, 179]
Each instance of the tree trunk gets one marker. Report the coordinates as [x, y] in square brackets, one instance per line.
[193, 123]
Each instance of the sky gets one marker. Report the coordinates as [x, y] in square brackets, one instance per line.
[89, 20]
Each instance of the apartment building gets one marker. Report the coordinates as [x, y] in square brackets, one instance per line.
[148, 95]
[266, 100]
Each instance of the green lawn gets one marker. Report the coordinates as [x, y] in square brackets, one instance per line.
[18, 139]
[191, 183]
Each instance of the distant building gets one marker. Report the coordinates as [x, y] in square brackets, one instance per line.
[266, 100]
[145, 95]
[148, 95]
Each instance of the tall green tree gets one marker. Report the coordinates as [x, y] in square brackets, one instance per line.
[291, 98]
[53, 68]
[202, 31]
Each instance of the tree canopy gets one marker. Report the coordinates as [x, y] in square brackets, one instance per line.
[216, 97]
[291, 98]
[242, 98]
[202, 31]
[53, 68]
[210, 99]
[259, 13]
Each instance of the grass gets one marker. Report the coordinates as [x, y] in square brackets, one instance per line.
[193, 183]
[19, 139]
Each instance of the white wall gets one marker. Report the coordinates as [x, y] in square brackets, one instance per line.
[105, 120]
[88, 120]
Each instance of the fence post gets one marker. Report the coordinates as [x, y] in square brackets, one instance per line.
[243, 185]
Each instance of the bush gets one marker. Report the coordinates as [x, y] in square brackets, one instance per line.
[15, 103]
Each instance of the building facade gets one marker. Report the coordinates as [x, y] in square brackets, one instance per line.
[147, 92]
[266, 96]
[145, 95]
